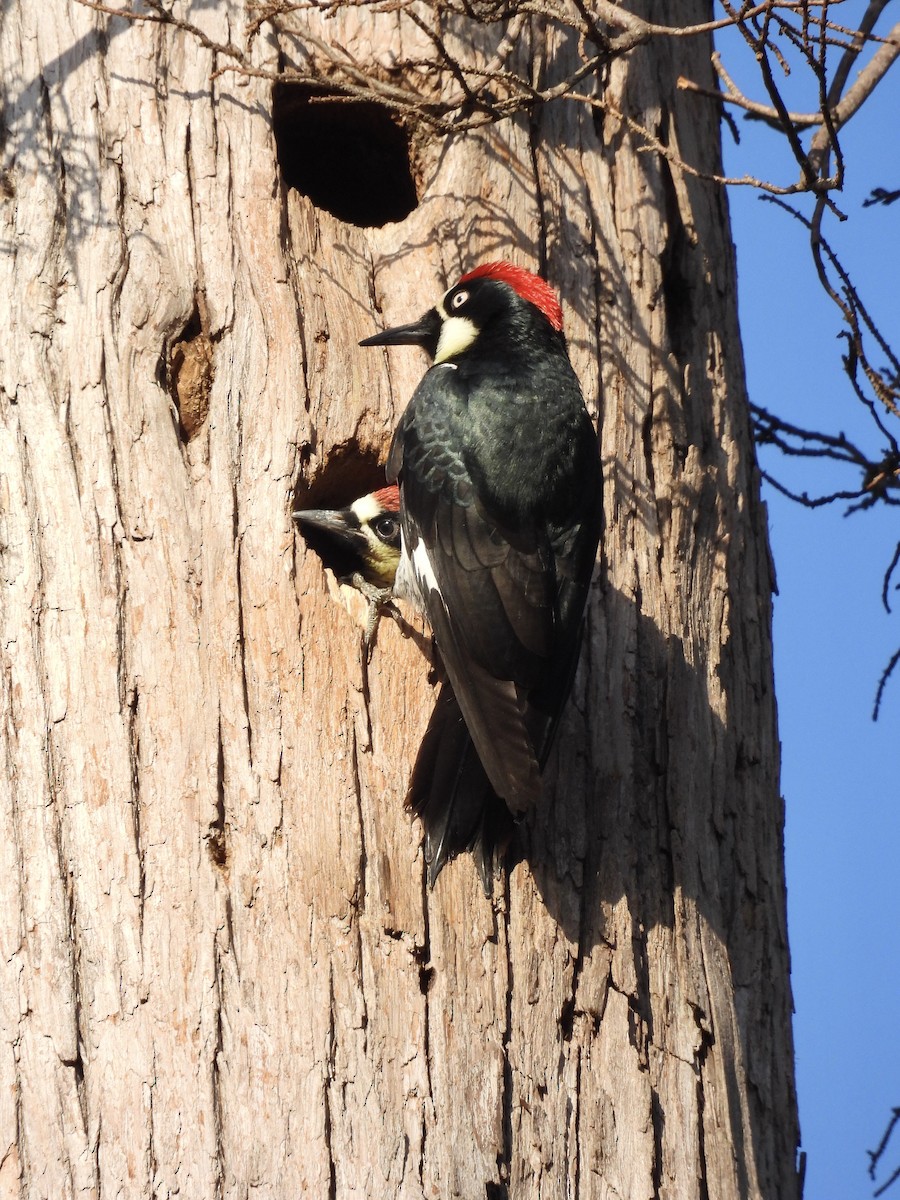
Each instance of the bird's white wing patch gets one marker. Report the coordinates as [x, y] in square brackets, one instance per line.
[415, 575]
[424, 571]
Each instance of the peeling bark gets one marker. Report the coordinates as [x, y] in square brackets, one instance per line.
[220, 970]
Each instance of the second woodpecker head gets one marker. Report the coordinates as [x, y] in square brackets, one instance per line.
[496, 303]
[364, 537]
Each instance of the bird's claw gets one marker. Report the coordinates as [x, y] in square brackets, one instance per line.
[379, 602]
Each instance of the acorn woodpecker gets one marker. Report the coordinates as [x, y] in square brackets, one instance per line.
[362, 543]
[500, 503]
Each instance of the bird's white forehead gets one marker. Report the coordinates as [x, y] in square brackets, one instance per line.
[366, 509]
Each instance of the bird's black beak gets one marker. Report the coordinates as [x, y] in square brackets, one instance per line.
[424, 332]
[331, 522]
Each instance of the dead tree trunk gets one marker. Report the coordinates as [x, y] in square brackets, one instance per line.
[220, 971]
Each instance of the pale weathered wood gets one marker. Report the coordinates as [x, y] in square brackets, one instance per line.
[220, 971]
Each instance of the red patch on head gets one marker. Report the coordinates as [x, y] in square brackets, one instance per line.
[388, 498]
[528, 285]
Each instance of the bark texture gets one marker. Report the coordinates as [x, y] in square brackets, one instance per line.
[220, 972]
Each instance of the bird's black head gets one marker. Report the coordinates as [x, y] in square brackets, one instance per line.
[490, 295]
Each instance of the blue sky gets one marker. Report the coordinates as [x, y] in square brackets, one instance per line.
[833, 638]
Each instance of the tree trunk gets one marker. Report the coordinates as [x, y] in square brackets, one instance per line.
[221, 973]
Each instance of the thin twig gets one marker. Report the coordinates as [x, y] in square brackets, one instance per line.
[879, 696]
[886, 586]
[875, 1155]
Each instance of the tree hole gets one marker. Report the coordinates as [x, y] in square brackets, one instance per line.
[350, 157]
[186, 370]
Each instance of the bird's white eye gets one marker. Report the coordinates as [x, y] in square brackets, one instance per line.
[459, 299]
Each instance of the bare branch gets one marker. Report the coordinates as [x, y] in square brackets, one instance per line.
[804, 498]
[747, 13]
[160, 16]
[771, 428]
[880, 478]
[867, 80]
[759, 46]
[652, 143]
[833, 111]
[886, 388]
[733, 95]
[860, 37]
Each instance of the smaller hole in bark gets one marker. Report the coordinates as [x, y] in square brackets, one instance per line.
[187, 370]
[350, 157]
[216, 842]
[347, 474]
[567, 1019]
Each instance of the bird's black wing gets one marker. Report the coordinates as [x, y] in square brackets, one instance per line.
[574, 544]
[487, 584]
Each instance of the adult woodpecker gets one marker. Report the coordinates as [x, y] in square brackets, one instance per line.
[500, 504]
[364, 539]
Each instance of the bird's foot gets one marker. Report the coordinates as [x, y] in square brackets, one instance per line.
[379, 602]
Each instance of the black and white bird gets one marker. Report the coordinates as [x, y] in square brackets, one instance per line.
[500, 502]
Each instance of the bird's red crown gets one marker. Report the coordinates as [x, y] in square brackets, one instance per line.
[388, 498]
[528, 285]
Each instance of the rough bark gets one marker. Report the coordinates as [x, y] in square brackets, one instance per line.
[220, 971]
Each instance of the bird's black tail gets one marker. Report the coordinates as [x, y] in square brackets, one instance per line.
[449, 790]
[450, 793]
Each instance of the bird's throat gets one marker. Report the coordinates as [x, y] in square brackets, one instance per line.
[457, 335]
